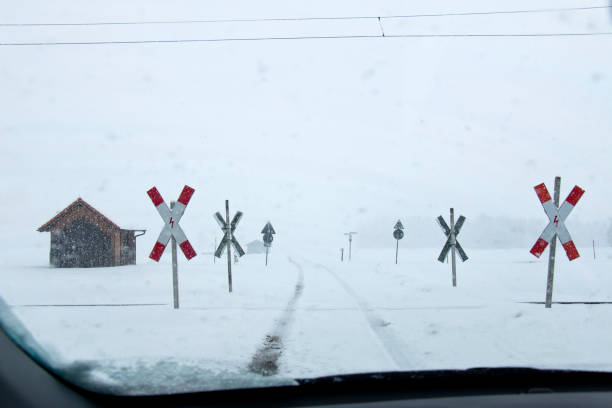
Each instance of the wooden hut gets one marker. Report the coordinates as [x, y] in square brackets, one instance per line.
[81, 236]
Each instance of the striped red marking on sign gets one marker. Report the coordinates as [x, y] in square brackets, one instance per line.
[157, 251]
[155, 196]
[186, 195]
[542, 193]
[539, 247]
[187, 249]
[570, 250]
[574, 195]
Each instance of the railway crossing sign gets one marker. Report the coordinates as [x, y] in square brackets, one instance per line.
[172, 230]
[229, 234]
[398, 234]
[555, 228]
[228, 239]
[268, 232]
[171, 218]
[556, 221]
[451, 242]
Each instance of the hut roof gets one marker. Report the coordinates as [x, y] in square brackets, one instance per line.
[79, 202]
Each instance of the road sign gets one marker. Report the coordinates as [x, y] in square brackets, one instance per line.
[268, 232]
[172, 230]
[556, 221]
[350, 237]
[397, 230]
[171, 219]
[451, 242]
[228, 239]
[397, 234]
[555, 228]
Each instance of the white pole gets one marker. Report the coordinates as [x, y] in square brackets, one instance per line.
[453, 242]
[396, 249]
[228, 235]
[553, 249]
[175, 290]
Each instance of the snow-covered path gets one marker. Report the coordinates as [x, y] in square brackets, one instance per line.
[265, 359]
[328, 319]
[394, 346]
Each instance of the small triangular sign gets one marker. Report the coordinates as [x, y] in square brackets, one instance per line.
[398, 225]
[268, 229]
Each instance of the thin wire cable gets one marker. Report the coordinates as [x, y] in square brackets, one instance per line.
[247, 20]
[322, 37]
[479, 13]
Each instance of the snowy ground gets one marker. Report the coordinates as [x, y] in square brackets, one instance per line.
[309, 316]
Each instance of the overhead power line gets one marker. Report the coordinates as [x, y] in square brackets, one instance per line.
[306, 37]
[251, 20]
[321, 37]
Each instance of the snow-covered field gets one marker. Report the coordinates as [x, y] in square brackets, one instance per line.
[320, 137]
[326, 317]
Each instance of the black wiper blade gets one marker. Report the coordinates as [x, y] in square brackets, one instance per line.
[481, 380]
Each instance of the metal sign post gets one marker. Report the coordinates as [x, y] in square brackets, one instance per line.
[228, 239]
[453, 239]
[175, 290]
[341, 254]
[555, 228]
[229, 249]
[172, 230]
[398, 234]
[451, 242]
[268, 232]
[350, 237]
[553, 250]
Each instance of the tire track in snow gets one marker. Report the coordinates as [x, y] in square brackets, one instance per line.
[265, 359]
[390, 342]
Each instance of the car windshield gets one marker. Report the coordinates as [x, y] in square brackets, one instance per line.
[213, 195]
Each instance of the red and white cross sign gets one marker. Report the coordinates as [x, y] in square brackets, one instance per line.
[556, 226]
[172, 228]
